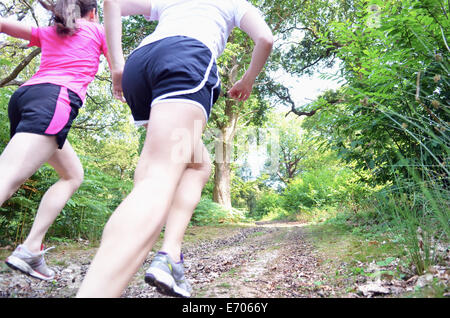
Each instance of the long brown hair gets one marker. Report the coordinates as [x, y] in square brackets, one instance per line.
[66, 12]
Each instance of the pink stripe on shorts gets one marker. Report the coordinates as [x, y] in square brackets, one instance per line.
[61, 114]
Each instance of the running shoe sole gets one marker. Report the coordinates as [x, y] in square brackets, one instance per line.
[18, 264]
[165, 283]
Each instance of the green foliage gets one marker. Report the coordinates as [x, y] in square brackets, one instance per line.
[5, 94]
[294, 147]
[86, 213]
[267, 203]
[309, 177]
[84, 216]
[324, 182]
[391, 118]
[208, 212]
[135, 29]
[321, 187]
[420, 220]
[397, 94]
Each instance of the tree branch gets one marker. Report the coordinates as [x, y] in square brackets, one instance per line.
[303, 113]
[19, 68]
[4, 44]
[92, 127]
[15, 83]
[284, 95]
[281, 178]
[31, 10]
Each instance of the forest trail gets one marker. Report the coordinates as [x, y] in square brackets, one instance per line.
[259, 262]
[272, 260]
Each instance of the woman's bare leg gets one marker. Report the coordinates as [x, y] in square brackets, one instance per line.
[186, 198]
[69, 168]
[135, 225]
[22, 157]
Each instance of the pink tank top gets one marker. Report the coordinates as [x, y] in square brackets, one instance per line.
[70, 61]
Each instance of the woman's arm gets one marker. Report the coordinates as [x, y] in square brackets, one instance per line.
[254, 25]
[113, 10]
[15, 29]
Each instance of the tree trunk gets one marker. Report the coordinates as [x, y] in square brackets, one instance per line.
[224, 155]
[222, 184]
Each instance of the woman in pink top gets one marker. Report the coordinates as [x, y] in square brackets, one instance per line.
[41, 113]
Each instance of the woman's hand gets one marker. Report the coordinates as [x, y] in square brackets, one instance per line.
[116, 75]
[241, 90]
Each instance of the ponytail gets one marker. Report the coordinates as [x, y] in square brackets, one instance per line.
[66, 12]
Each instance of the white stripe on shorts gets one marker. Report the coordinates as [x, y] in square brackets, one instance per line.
[188, 91]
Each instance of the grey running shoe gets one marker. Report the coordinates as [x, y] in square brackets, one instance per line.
[167, 276]
[31, 264]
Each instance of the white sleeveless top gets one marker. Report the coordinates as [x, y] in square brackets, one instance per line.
[209, 21]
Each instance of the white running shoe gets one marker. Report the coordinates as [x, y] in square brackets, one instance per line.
[168, 276]
[31, 264]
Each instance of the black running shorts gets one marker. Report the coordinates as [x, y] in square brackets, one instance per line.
[174, 69]
[44, 109]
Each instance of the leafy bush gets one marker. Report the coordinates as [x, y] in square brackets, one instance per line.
[392, 116]
[84, 216]
[420, 219]
[266, 204]
[321, 187]
[208, 212]
[278, 213]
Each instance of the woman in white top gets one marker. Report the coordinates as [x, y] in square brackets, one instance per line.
[170, 83]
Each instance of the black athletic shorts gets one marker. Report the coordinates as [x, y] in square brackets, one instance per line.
[173, 69]
[44, 109]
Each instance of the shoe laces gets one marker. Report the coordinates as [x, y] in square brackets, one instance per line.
[42, 252]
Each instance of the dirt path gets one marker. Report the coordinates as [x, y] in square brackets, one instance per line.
[275, 260]
[267, 261]
[272, 260]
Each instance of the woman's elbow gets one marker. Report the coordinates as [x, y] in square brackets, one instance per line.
[266, 41]
[108, 3]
